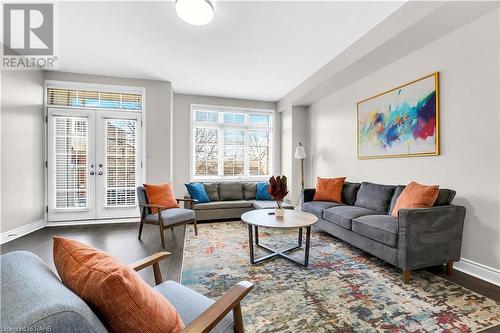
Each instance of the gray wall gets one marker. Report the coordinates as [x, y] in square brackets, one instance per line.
[468, 62]
[22, 156]
[158, 117]
[181, 132]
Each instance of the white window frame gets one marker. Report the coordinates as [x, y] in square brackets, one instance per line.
[220, 126]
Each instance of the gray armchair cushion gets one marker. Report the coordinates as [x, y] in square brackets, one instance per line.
[230, 191]
[172, 216]
[445, 197]
[267, 204]
[212, 190]
[317, 207]
[190, 304]
[382, 228]
[374, 196]
[349, 192]
[249, 190]
[32, 296]
[342, 215]
[223, 205]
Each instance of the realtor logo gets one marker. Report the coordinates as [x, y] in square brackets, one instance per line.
[28, 29]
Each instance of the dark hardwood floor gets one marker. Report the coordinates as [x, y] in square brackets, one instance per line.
[121, 241]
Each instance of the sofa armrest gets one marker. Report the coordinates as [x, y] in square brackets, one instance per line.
[429, 236]
[308, 194]
[187, 204]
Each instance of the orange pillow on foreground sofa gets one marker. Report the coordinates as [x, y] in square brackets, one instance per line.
[329, 189]
[161, 194]
[124, 301]
[416, 196]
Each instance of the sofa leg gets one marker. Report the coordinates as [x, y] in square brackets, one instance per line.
[449, 267]
[406, 277]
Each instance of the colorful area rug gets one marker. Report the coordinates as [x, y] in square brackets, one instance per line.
[343, 290]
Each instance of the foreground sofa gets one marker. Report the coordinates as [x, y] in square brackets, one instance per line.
[35, 300]
[228, 200]
[415, 239]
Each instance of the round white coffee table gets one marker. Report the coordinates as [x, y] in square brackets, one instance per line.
[292, 219]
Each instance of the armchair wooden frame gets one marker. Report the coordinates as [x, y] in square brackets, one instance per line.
[144, 208]
[231, 301]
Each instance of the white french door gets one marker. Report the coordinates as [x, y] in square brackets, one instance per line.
[94, 163]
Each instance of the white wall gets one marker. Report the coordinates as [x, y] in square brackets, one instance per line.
[182, 132]
[22, 176]
[468, 62]
[158, 117]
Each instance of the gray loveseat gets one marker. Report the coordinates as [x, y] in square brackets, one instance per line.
[415, 239]
[228, 200]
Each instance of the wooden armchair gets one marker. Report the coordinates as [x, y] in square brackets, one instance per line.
[211, 316]
[165, 217]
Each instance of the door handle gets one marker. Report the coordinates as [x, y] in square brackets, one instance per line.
[91, 173]
[100, 173]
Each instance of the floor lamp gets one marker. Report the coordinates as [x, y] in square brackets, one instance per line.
[300, 154]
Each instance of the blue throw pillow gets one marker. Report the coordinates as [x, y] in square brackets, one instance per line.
[263, 192]
[197, 191]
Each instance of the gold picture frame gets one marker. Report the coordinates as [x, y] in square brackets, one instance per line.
[390, 120]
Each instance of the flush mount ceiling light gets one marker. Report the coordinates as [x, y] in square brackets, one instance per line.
[196, 12]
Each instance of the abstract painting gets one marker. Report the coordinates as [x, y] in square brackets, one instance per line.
[400, 122]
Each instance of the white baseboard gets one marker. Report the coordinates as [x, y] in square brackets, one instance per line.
[21, 231]
[483, 272]
[89, 222]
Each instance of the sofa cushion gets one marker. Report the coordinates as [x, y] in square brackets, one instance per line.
[191, 304]
[263, 192]
[230, 191]
[382, 228]
[267, 204]
[445, 197]
[249, 190]
[375, 197]
[172, 216]
[124, 301]
[342, 215]
[212, 190]
[395, 196]
[224, 205]
[349, 192]
[317, 207]
[33, 297]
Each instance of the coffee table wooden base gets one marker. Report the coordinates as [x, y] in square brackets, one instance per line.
[275, 253]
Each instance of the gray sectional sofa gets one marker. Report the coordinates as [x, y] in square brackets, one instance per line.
[228, 200]
[417, 238]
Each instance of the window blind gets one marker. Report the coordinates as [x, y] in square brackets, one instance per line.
[94, 99]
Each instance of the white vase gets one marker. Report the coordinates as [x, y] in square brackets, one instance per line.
[279, 212]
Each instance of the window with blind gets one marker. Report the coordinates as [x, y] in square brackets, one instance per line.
[94, 99]
[231, 143]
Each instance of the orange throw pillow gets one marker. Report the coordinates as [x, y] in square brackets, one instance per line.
[123, 300]
[416, 196]
[329, 189]
[161, 194]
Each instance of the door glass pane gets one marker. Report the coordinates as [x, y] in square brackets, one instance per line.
[71, 151]
[121, 145]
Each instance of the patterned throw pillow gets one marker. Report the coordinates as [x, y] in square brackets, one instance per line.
[124, 301]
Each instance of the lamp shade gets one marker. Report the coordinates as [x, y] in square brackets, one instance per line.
[300, 152]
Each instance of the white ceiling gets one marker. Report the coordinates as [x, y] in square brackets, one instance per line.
[254, 50]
